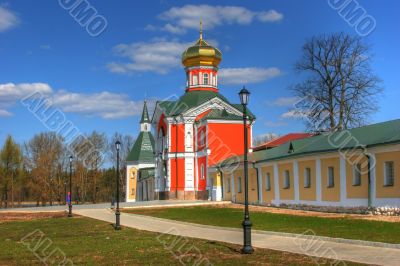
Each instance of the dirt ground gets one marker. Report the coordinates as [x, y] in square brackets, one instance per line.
[394, 219]
[26, 216]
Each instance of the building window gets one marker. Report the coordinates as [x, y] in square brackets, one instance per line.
[195, 81]
[188, 140]
[240, 185]
[268, 182]
[202, 171]
[205, 79]
[286, 180]
[357, 175]
[331, 176]
[202, 138]
[389, 173]
[229, 185]
[307, 177]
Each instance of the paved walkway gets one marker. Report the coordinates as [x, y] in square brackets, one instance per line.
[312, 247]
[140, 204]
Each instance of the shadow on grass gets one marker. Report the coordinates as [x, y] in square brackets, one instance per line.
[224, 245]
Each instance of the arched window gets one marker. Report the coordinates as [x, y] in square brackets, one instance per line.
[202, 138]
[205, 79]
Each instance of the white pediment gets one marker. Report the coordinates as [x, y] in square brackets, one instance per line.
[214, 103]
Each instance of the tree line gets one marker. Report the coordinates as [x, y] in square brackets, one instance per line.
[37, 171]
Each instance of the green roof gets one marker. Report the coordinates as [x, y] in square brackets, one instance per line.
[193, 99]
[145, 173]
[145, 114]
[366, 136]
[142, 150]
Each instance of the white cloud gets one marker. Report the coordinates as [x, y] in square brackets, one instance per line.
[270, 16]
[247, 75]
[155, 56]
[103, 104]
[10, 93]
[5, 113]
[293, 114]
[187, 17]
[284, 102]
[150, 27]
[173, 29]
[8, 19]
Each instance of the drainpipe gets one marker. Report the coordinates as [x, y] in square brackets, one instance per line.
[369, 180]
[258, 188]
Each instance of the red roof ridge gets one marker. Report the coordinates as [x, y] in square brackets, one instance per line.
[282, 140]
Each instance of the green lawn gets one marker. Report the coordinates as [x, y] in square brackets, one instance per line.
[333, 227]
[91, 242]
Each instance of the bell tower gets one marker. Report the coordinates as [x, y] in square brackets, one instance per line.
[201, 65]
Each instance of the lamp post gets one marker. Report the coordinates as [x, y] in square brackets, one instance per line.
[117, 213]
[70, 187]
[247, 248]
[65, 191]
[51, 191]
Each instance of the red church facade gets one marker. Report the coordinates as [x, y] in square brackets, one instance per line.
[197, 130]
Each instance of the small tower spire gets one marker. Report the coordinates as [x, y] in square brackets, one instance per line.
[201, 29]
[145, 120]
[145, 114]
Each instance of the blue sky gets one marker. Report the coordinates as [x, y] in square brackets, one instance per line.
[99, 82]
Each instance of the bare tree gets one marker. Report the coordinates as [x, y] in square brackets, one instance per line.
[341, 89]
[99, 143]
[11, 164]
[43, 154]
[261, 139]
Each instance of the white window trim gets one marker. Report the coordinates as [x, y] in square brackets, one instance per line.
[268, 182]
[307, 177]
[356, 172]
[205, 75]
[385, 177]
[286, 179]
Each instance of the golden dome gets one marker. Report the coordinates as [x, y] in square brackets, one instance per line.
[201, 54]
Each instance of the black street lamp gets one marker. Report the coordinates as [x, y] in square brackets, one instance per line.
[65, 191]
[117, 213]
[247, 248]
[51, 191]
[70, 187]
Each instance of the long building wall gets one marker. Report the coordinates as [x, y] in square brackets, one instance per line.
[331, 180]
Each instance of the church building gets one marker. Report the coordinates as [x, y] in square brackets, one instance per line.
[192, 148]
[191, 134]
